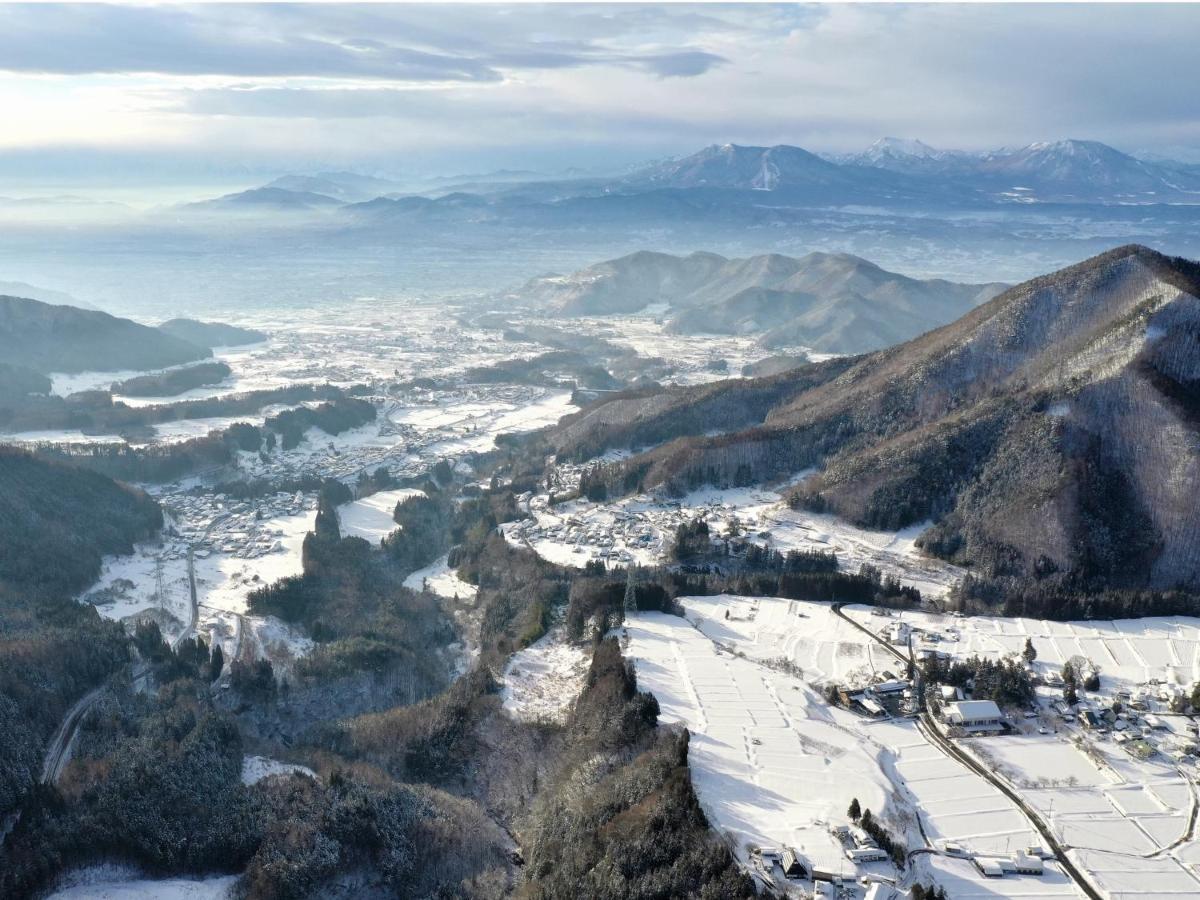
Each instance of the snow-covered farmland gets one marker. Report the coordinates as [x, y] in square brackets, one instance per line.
[775, 765]
[1130, 653]
[1127, 819]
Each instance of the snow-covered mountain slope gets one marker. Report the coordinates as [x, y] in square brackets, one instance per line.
[1053, 431]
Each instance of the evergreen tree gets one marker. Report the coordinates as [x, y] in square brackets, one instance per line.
[1029, 652]
[216, 662]
[855, 811]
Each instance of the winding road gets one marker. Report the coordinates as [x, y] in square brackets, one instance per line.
[190, 630]
[59, 750]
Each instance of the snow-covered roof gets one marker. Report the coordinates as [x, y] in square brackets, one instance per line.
[971, 710]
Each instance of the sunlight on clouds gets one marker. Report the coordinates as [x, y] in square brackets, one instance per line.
[96, 110]
[638, 80]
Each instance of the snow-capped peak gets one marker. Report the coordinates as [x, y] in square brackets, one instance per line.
[896, 147]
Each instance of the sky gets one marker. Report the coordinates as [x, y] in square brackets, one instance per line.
[162, 92]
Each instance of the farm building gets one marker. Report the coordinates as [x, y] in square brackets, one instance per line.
[893, 686]
[989, 868]
[880, 891]
[1026, 864]
[793, 866]
[974, 715]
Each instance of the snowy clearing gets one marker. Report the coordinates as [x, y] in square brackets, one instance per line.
[442, 580]
[256, 768]
[371, 517]
[543, 680]
[112, 882]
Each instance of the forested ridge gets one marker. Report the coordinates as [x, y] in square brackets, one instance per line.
[56, 524]
[49, 338]
[423, 782]
[1050, 434]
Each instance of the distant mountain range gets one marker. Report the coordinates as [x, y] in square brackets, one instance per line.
[831, 302]
[1085, 171]
[349, 187]
[725, 188]
[1052, 435]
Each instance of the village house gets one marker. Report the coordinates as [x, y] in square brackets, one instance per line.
[975, 716]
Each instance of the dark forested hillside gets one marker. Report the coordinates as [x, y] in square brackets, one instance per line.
[173, 381]
[57, 521]
[49, 338]
[1051, 433]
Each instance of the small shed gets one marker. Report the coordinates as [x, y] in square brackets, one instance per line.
[989, 868]
[1027, 864]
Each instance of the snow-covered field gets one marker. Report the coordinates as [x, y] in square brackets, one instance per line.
[439, 578]
[371, 517]
[775, 765]
[1126, 818]
[696, 357]
[109, 882]
[771, 762]
[1128, 653]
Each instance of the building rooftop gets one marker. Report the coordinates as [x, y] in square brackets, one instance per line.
[974, 709]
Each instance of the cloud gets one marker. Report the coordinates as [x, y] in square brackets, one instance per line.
[491, 85]
[393, 43]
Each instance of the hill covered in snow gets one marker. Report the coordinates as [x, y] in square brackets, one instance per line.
[1049, 434]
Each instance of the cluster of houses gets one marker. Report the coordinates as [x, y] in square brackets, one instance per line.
[215, 523]
[616, 540]
[859, 847]
[1142, 734]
